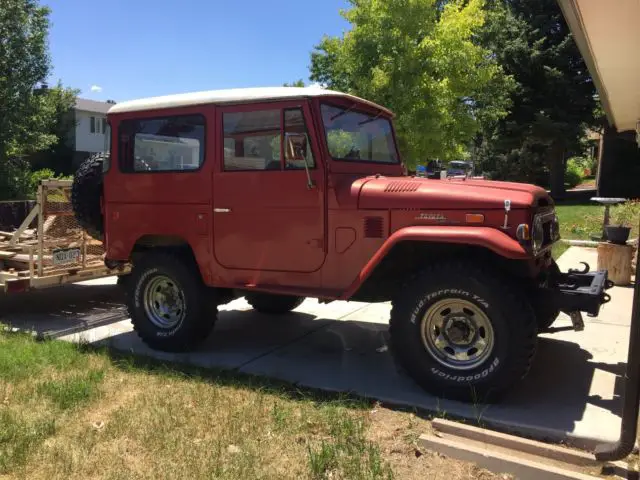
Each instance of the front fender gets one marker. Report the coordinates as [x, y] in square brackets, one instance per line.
[486, 237]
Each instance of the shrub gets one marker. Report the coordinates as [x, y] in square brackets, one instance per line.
[24, 183]
[35, 177]
[625, 214]
[587, 165]
[574, 173]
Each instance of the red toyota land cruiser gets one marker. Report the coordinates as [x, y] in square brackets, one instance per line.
[277, 194]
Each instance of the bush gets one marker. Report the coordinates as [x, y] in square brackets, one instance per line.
[18, 182]
[35, 177]
[575, 172]
[626, 214]
[586, 165]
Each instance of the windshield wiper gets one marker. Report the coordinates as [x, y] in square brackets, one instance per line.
[343, 112]
[369, 120]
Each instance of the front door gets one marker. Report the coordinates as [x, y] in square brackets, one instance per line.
[266, 216]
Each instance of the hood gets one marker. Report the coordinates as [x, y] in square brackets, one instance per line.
[408, 192]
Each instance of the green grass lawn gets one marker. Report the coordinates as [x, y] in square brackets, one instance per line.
[74, 412]
[577, 222]
[580, 222]
[583, 222]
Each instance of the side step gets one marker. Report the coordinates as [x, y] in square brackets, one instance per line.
[523, 458]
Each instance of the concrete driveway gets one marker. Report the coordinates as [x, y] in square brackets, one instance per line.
[572, 393]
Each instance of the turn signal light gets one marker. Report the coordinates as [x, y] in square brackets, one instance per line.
[474, 218]
[522, 233]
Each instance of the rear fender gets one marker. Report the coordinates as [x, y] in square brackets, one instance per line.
[494, 240]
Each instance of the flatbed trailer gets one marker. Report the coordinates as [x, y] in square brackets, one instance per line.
[50, 248]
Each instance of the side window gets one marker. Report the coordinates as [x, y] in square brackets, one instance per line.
[294, 126]
[252, 140]
[92, 126]
[165, 144]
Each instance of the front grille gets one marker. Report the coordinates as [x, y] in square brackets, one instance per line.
[546, 228]
[549, 228]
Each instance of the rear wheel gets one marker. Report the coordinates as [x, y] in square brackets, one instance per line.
[273, 304]
[463, 333]
[168, 304]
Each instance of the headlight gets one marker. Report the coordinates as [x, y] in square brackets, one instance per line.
[537, 234]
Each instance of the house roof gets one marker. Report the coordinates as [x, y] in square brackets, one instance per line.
[231, 96]
[608, 36]
[87, 105]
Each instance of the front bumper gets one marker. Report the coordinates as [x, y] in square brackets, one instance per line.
[580, 291]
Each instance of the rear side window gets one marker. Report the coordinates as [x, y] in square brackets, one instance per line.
[162, 144]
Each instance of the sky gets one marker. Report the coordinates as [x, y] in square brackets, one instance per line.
[123, 50]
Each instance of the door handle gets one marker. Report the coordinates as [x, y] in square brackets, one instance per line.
[221, 210]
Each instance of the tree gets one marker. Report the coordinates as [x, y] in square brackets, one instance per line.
[57, 109]
[554, 98]
[24, 64]
[420, 59]
[297, 83]
[28, 109]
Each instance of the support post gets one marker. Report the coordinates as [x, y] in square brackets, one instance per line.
[631, 402]
[40, 205]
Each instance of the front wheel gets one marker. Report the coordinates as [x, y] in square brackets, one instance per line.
[461, 332]
[167, 302]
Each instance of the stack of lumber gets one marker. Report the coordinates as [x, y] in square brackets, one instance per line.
[16, 257]
[58, 234]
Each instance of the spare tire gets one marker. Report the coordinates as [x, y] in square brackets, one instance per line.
[86, 194]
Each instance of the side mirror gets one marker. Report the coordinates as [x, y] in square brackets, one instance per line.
[296, 146]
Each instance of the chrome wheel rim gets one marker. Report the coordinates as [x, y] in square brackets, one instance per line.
[457, 333]
[164, 302]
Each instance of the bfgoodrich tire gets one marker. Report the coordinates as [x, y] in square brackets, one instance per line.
[168, 302]
[273, 304]
[462, 332]
[86, 194]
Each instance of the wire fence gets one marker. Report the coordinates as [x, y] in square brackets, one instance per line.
[62, 243]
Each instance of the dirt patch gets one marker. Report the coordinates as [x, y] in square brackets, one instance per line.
[397, 433]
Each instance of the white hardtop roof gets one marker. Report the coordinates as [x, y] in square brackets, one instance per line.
[232, 96]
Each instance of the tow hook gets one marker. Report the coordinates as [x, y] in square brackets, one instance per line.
[584, 270]
[578, 322]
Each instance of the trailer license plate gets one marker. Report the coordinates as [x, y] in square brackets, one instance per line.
[66, 255]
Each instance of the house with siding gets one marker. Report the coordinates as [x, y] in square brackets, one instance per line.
[88, 136]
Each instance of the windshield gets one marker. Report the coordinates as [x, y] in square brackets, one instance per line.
[359, 137]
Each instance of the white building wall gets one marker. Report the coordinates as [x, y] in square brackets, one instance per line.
[85, 140]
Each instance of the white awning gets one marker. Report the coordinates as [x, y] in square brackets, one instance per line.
[607, 33]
